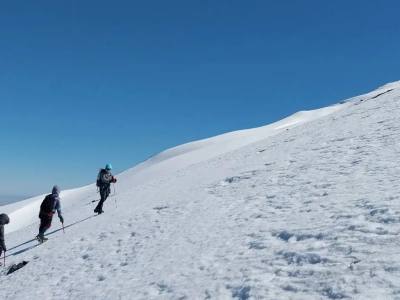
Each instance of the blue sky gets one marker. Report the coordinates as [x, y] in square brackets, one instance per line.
[83, 83]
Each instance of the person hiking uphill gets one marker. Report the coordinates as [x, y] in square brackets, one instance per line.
[104, 180]
[49, 206]
[4, 219]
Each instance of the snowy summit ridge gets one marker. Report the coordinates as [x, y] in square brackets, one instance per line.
[304, 208]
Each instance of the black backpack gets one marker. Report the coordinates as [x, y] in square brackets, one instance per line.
[47, 205]
[99, 182]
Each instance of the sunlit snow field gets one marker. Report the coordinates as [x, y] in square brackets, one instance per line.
[305, 208]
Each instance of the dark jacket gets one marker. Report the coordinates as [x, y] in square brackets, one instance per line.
[4, 219]
[55, 204]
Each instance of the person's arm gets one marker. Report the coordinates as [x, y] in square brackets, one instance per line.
[58, 209]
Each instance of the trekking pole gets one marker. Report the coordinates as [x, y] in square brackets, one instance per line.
[115, 197]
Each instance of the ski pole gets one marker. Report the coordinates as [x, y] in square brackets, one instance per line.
[63, 227]
[4, 258]
[115, 197]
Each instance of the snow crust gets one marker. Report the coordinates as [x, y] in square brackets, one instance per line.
[304, 208]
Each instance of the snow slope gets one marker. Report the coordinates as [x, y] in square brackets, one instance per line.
[305, 208]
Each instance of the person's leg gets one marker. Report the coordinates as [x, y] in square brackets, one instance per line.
[99, 207]
[108, 191]
[104, 197]
[45, 224]
[42, 227]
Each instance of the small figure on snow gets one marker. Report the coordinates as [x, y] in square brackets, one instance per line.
[4, 219]
[49, 206]
[104, 180]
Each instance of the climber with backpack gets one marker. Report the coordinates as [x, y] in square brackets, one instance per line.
[104, 180]
[49, 206]
[4, 219]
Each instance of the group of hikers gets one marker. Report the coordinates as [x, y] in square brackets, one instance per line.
[51, 204]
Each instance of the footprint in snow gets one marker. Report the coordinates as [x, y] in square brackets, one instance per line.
[164, 288]
[286, 236]
[102, 236]
[240, 292]
[332, 294]
[289, 288]
[101, 278]
[160, 208]
[301, 259]
[256, 245]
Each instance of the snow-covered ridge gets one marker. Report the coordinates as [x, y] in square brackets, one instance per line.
[390, 85]
[24, 213]
[236, 139]
[375, 93]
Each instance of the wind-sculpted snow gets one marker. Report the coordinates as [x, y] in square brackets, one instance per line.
[312, 212]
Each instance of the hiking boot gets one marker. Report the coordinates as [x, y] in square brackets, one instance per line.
[98, 211]
[41, 239]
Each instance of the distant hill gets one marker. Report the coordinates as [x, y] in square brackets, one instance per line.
[7, 199]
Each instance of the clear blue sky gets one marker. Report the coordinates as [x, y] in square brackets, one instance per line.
[83, 83]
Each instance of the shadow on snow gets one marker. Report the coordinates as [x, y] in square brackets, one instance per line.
[34, 239]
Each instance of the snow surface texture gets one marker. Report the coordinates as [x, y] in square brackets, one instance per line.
[306, 208]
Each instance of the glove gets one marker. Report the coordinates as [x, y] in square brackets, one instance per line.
[61, 219]
[114, 180]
